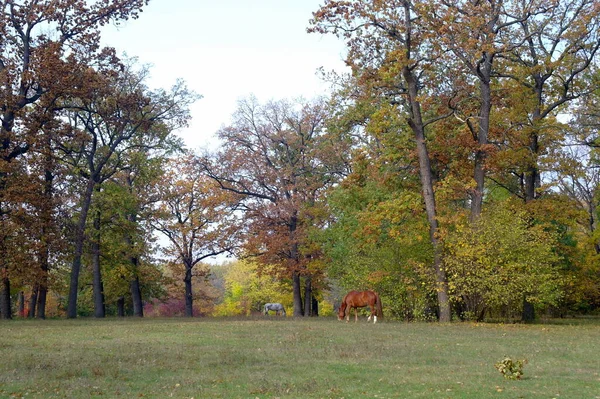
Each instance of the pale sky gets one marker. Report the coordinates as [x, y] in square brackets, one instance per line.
[227, 50]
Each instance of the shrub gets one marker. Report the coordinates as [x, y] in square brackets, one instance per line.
[511, 369]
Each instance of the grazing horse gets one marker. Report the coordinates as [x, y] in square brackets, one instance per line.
[277, 307]
[360, 299]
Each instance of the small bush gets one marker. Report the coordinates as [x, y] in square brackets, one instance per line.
[511, 369]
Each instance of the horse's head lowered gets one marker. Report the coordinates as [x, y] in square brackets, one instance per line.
[342, 312]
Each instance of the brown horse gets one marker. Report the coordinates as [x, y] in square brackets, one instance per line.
[360, 299]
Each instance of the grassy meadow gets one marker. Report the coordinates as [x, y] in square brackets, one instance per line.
[294, 358]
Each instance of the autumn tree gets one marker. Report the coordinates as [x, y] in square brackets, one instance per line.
[280, 158]
[578, 178]
[552, 68]
[47, 210]
[521, 262]
[368, 244]
[197, 218]
[390, 53]
[547, 73]
[125, 241]
[42, 43]
[119, 114]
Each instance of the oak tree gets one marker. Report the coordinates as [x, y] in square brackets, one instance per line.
[198, 220]
[280, 159]
[390, 52]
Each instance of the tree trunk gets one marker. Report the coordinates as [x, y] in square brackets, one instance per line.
[21, 304]
[297, 294]
[189, 298]
[528, 311]
[5, 305]
[134, 285]
[483, 128]
[79, 241]
[315, 307]
[121, 306]
[41, 304]
[33, 302]
[42, 290]
[416, 124]
[308, 296]
[532, 176]
[47, 223]
[532, 182]
[136, 296]
[98, 286]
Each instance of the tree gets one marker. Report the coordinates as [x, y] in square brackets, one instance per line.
[198, 219]
[521, 263]
[391, 55]
[578, 178]
[43, 43]
[279, 158]
[550, 69]
[119, 114]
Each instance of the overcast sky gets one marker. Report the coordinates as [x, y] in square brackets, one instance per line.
[228, 49]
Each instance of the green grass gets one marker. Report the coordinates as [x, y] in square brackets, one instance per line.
[287, 358]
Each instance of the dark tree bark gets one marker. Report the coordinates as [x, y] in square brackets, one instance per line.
[134, 284]
[97, 284]
[315, 307]
[484, 72]
[46, 208]
[33, 302]
[308, 296]
[189, 296]
[86, 201]
[21, 304]
[121, 306]
[5, 302]
[297, 292]
[41, 304]
[416, 124]
[136, 295]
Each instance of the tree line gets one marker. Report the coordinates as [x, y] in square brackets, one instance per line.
[453, 169]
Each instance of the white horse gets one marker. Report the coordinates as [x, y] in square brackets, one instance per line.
[276, 307]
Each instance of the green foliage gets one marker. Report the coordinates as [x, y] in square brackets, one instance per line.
[379, 243]
[502, 259]
[511, 369]
[246, 290]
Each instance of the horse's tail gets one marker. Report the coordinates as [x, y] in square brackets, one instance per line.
[379, 308]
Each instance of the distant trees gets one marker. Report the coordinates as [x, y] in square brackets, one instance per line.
[197, 218]
[279, 159]
[246, 290]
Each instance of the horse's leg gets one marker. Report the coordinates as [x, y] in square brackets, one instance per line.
[356, 315]
[348, 311]
[373, 314]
